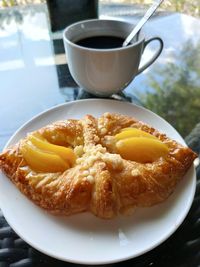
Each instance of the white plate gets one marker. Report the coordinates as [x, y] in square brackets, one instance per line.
[83, 238]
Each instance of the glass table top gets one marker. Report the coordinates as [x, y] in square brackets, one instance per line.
[34, 76]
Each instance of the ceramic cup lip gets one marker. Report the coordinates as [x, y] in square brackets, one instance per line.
[73, 44]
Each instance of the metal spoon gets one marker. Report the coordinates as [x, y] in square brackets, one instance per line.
[147, 15]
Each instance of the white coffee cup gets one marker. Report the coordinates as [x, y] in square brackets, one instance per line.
[104, 72]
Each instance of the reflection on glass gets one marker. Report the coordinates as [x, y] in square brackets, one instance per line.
[175, 89]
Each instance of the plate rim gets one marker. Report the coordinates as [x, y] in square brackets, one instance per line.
[85, 100]
[131, 256]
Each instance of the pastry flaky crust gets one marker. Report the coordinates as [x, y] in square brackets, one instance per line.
[101, 181]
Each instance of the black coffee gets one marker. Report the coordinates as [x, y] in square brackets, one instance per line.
[101, 42]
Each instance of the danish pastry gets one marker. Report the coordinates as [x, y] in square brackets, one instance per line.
[107, 165]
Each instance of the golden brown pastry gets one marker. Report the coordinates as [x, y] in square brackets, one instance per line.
[107, 166]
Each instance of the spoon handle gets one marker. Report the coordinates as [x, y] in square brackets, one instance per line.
[147, 15]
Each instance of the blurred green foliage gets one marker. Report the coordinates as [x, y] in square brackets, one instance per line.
[11, 3]
[175, 93]
[191, 7]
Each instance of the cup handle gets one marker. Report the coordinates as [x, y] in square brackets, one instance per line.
[157, 54]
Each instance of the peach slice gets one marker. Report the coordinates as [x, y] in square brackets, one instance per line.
[67, 154]
[133, 132]
[141, 149]
[42, 161]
